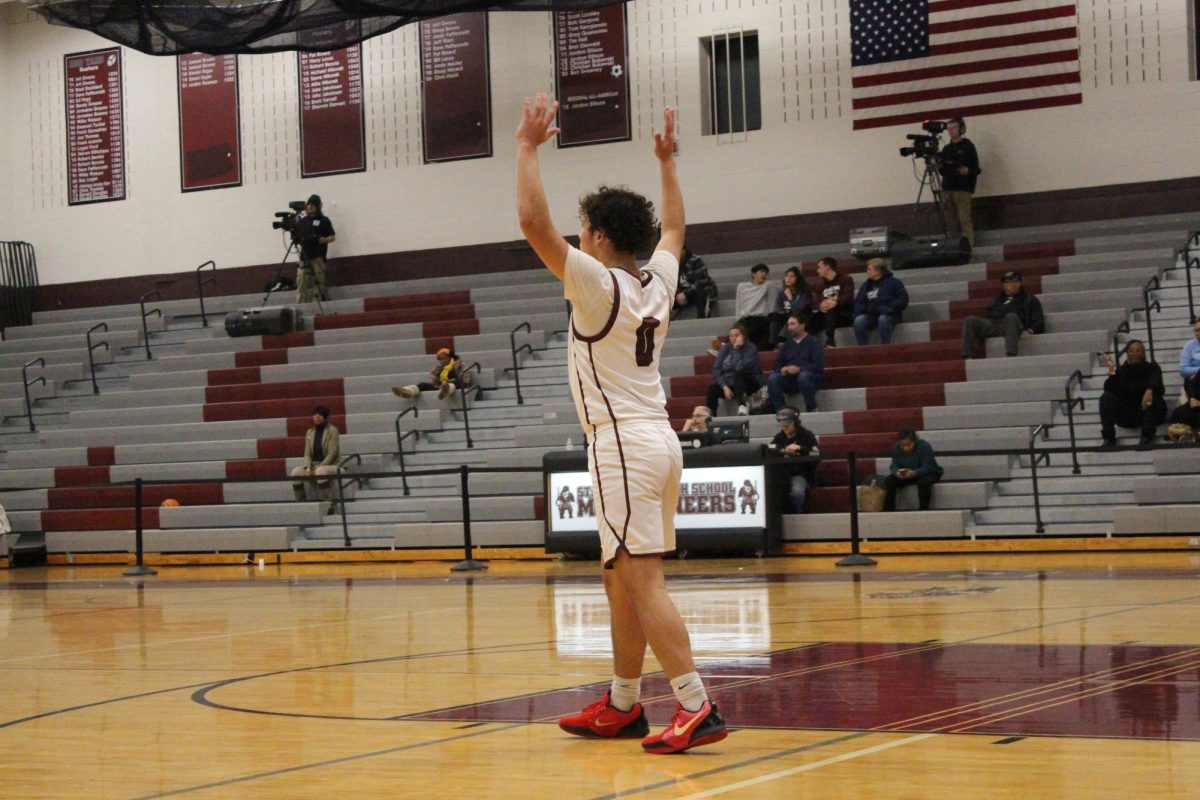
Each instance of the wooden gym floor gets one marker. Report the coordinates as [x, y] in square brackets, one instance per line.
[1044, 676]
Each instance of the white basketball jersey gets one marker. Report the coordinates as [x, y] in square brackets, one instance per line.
[618, 325]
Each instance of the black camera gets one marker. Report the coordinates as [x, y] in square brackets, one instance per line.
[922, 146]
[290, 220]
[925, 145]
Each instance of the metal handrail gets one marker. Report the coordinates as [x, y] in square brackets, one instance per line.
[200, 284]
[1118, 350]
[528, 348]
[1151, 285]
[145, 314]
[462, 391]
[25, 379]
[1034, 457]
[341, 493]
[1190, 261]
[91, 352]
[400, 443]
[1069, 405]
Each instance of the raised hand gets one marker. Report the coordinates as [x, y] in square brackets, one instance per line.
[664, 141]
[537, 123]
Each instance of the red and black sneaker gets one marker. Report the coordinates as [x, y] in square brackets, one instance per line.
[602, 720]
[688, 729]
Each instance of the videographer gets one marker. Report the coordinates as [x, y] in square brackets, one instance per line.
[316, 234]
[959, 169]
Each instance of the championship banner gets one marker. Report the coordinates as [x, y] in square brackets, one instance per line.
[95, 127]
[591, 79]
[710, 498]
[332, 115]
[210, 141]
[456, 100]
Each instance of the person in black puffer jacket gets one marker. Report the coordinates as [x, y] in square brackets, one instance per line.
[1133, 396]
[1011, 315]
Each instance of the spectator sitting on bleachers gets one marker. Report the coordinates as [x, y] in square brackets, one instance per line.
[446, 378]
[1187, 413]
[1133, 396]
[834, 301]
[912, 462]
[698, 421]
[798, 446]
[793, 298]
[696, 288]
[880, 303]
[1189, 357]
[736, 373]
[799, 366]
[321, 453]
[1012, 314]
[755, 299]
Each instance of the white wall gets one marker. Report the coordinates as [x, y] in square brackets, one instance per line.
[1137, 123]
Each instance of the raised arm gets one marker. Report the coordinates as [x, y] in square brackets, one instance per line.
[671, 217]
[536, 128]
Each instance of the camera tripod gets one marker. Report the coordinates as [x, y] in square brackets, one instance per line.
[278, 281]
[931, 177]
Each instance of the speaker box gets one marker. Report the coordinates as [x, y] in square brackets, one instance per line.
[260, 321]
[929, 251]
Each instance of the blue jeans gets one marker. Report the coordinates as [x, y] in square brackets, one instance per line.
[864, 323]
[806, 383]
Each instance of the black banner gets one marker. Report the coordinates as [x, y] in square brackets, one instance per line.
[456, 100]
[591, 79]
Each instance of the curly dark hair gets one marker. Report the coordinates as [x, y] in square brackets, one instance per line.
[626, 217]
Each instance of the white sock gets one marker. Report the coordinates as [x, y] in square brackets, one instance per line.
[625, 692]
[689, 691]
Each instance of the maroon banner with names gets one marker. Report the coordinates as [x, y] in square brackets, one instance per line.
[591, 79]
[210, 143]
[95, 127]
[332, 124]
[456, 100]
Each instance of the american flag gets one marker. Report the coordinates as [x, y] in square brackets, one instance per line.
[918, 59]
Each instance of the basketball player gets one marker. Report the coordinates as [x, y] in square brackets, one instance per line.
[619, 318]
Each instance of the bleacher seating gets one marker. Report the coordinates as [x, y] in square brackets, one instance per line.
[211, 407]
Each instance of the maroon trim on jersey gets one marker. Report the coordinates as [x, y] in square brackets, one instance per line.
[588, 421]
[645, 278]
[620, 449]
[657, 554]
[612, 318]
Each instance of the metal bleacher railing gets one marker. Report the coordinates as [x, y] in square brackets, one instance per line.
[1190, 256]
[18, 284]
[1037, 456]
[201, 282]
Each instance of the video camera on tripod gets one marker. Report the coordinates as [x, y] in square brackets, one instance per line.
[289, 221]
[926, 145]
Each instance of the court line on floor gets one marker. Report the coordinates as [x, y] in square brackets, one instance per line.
[825, 762]
[411, 657]
[1034, 691]
[230, 635]
[328, 762]
[784, 753]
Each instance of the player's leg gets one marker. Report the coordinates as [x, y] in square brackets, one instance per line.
[617, 714]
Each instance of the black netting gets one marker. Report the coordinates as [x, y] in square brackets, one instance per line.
[262, 26]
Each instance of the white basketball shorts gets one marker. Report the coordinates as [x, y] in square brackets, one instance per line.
[636, 468]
